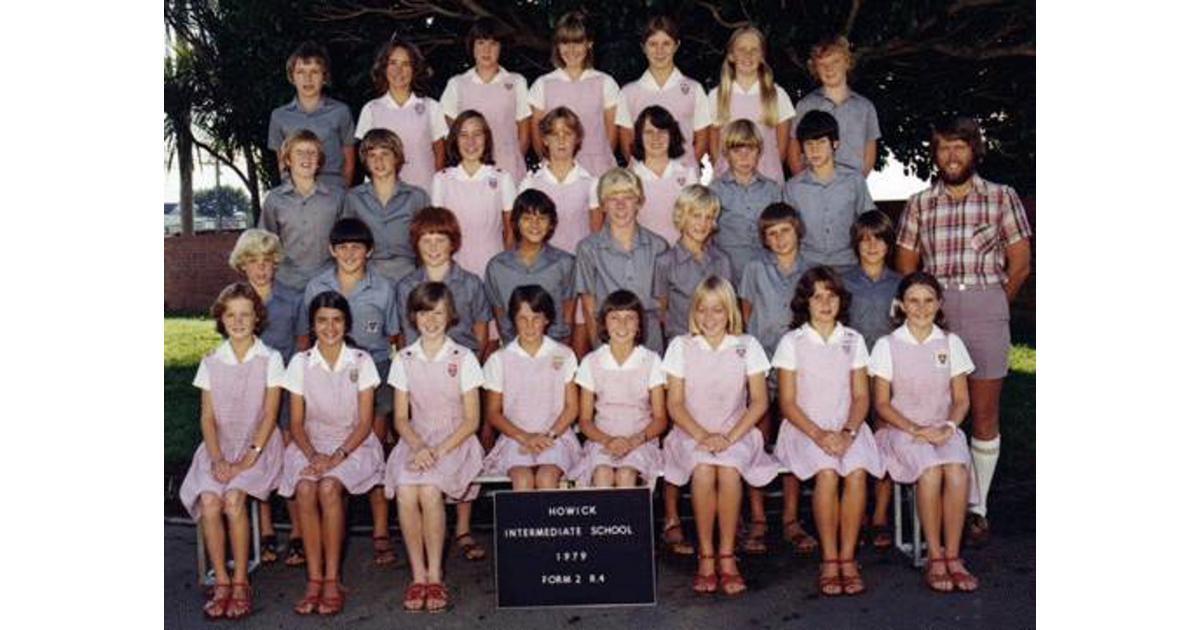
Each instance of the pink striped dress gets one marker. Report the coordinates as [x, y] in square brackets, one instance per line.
[746, 104]
[479, 202]
[657, 214]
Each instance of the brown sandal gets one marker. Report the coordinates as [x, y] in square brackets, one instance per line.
[731, 583]
[333, 604]
[851, 584]
[215, 607]
[800, 539]
[239, 606]
[385, 554]
[830, 585]
[470, 549]
[933, 580]
[676, 543]
[963, 580]
[307, 605]
[704, 583]
[754, 541]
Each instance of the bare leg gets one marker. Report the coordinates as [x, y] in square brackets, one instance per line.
[955, 487]
[602, 477]
[704, 506]
[929, 507]
[547, 477]
[729, 502]
[825, 512]
[522, 477]
[627, 477]
[310, 519]
[672, 534]
[333, 526]
[433, 525]
[239, 532]
[853, 506]
[791, 500]
[408, 504]
[214, 535]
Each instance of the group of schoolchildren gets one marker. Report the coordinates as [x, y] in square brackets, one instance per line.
[402, 297]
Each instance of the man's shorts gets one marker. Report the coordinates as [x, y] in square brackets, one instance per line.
[979, 315]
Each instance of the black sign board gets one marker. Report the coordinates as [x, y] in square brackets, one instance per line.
[591, 547]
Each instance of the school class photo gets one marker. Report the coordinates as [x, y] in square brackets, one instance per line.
[568, 305]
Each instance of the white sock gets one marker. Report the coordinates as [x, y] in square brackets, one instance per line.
[984, 454]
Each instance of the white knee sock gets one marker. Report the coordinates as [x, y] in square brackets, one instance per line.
[984, 454]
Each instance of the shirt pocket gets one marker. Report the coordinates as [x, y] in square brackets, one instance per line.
[985, 237]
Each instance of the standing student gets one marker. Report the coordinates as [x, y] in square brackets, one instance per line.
[375, 328]
[309, 71]
[334, 450]
[921, 393]
[622, 403]
[872, 286]
[479, 194]
[438, 454]
[744, 193]
[386, 204]
[256, 255]
[531, 398]
[501, 96]
[657, 147]
[716, 392]
[664, 85]
[748, 90]
[301, 210]
[829, 62]
[823, 398]
[572, 188]
[829, 196]
[404, 107]
[242, 453]
[533, 261]
[620, 256]
[591, 94]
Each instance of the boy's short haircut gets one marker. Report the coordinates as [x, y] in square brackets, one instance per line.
[816, 125]
[616, 181]
[918, 278]
[255, 242]
[546, 124]
[536, 297]
[962, 128]
[661, 119]
[382, 138]
[740, 133]
[296, 137]
[571, 28]
[484, 28]
[776, 213]
[434, 220]
[535, 202]
[310, 51]
[694, 198]
[723, 290]
[875, 223]
[806, 288]
[239, 290]
[663, 24]
[622, 300]
[425, 297]
[420, 69]
[826, 46]
[351, 230]
[453, 157]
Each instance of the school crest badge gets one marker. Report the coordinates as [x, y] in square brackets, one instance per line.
[557, 362]
[353, 375]
[452, 369]
[420, 108]
[685, 87]
[493, 183]
[942, 357]
[681, 180]
[508, 85]
[741, 352]
[373, 327]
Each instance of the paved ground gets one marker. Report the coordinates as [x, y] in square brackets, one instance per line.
[782, 590]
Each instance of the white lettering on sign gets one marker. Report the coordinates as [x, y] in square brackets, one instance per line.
[542, 532]
[561, 579]
[571, 556]
[611, 530]
[572, 510]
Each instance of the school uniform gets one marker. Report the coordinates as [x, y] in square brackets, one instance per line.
[828, 210]
[658, 211]
[920, 375]
[770, 290]
[302, 224]
[822, 372]
[603, 265]
[683, 97]
[503, 101]
[330, 416]
[238, 392]
[533, 389]
[479, 202]
[715, 394]
[470, 301]
[871, 302]
[574, 196]
[747, 104]
[677, 273]
[392, 255]
[285, 309]
[737, 224]
[588, 96]
[622, 409]
[435, 387]
[552, 269]
[331, 121]
[856, 118]
[419, 123]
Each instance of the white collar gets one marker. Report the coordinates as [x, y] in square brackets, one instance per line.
[390, 101]
[561, 74]
[753, 91]
[648, 83]
[549, 346]
[607, 361]
[577, 172]
[806, 330]
[728, 341]
[904, 334]
[460, 173]
[414, 349]
[224, 352]
[345, 358]
[645, 172]
[473, 75]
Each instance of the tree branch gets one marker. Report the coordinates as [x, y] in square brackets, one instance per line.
[224, 160]
[848, 25]
[716, 13]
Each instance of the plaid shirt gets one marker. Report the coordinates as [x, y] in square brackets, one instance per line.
[963, 241]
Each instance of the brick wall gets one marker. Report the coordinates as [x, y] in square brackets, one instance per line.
[196, 268]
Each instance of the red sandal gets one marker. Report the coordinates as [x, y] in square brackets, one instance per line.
[312, 596]
[852, 584]
[731, 583]
[333, 604]
[436, 598]
[704, 583]
[933, 580]
[414, 597]
[239, 606]
[963, 580]
[830, 585]
[215, 607]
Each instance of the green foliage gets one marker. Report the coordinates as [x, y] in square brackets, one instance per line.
[222, 201]
[185, 341]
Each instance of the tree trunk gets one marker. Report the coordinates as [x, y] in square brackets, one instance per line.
[252, 185]
[183, 148]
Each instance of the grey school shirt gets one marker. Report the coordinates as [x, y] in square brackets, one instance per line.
[331, 121]
[392, 256]
[470, 302]
[737, 225]
[828, 210]
[856, 119]
[871, 302]
[302, 224]
[285, 309]
[552, 269]
[677, 273]
[602, 266]
[372, 307]
[769, 291]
